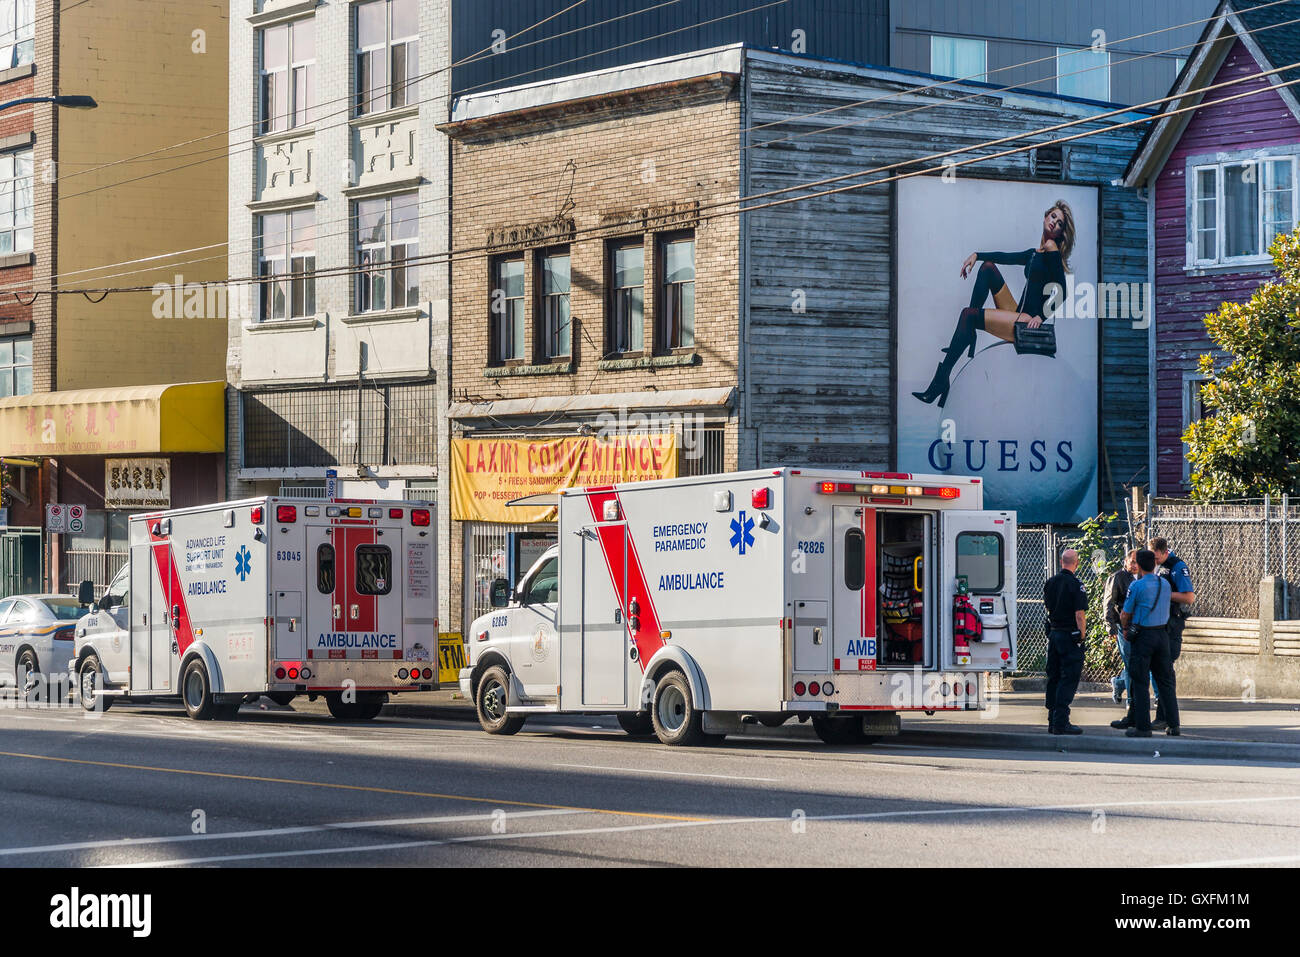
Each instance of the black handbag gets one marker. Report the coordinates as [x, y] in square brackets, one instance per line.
[1033, 342]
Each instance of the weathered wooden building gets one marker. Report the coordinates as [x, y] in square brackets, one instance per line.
[793, 354]
[1221, 182]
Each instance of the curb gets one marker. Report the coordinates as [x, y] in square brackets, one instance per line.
[1168, 747]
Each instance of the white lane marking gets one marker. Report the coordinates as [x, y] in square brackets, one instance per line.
[683, 774]
[274, 832]
[1240, 862]
[669, 825]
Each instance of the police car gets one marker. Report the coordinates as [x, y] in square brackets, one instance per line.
[36, 635]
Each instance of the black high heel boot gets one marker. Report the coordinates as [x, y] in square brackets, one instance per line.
[963, 337]
[939, 385]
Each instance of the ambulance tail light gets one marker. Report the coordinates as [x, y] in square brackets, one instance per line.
[427, 673]
[394, 513]
[943, 492]
[814, 688]
[420, 517]
[285, 514]
[280, 674]
[800, 687]
[402, 674]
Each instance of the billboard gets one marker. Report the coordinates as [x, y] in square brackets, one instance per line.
[970, 401]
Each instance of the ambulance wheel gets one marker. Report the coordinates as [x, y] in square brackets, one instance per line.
[636, 723]
[491, 701]
[90, 681]
[196, 692]
[369, 706]
[675, 718]
[838, 730]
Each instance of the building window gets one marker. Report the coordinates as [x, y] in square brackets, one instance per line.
[553, 336]
[288, 75]
[959, 57]
[16, 202]
[388, 54]
[1194, 410]
[15, 366]
[677, 293]
[625, 330]
[1238, 208]
[287, 264]
[17, 33]
[507, 321]
[1083, 72]
[388, 242]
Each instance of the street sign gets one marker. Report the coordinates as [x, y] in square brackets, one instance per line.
[331, 482]
[62, 519]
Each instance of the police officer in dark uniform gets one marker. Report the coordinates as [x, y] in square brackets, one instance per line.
[1067, 611]
[1174, 570]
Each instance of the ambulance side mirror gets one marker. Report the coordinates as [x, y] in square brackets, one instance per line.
[500, 593]
[86, 593]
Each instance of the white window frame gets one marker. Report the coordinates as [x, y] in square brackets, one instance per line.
[556, 309]
[1067, 63]
[17, 36]
[984, 45]
[11, 368]
[363, 298]
[362, 103]
[509, 324]
[1195, 261]
[283, 262]
[289, 76]
[14, 208]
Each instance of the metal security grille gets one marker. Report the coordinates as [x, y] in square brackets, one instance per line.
[315, 428]
[701, 450]
[96, 553]
[486, 558]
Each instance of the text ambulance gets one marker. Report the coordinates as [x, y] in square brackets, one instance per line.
[275, 596]
[692, 606]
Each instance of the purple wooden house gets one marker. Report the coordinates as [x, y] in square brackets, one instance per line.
[1221, 183]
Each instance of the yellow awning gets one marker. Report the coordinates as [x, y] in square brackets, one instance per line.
[188, 417]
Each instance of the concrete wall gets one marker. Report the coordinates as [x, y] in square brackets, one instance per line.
[158, 72]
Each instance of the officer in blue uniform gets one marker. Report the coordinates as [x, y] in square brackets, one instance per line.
[1067, 612]
[1146, 618]
[1175, 570]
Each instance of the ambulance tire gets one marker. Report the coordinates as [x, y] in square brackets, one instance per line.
[676, 719]
[196, 692]
[636, 723]
[490, 701]
[89, 679]
[838, 730]
[369, 706]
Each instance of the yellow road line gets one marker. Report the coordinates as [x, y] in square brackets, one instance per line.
[347, 787]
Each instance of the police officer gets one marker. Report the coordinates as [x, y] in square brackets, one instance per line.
[1175, 570]
[1067, 611]
[1145, 616]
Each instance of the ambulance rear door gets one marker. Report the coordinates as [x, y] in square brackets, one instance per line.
[981, 545]
[353, 601]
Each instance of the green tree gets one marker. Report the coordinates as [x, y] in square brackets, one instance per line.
[1247, 444]
[1100, 651]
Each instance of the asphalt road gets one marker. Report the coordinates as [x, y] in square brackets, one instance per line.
[147, 786]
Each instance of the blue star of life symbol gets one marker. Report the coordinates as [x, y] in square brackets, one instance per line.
[742, 533]
[243, 563]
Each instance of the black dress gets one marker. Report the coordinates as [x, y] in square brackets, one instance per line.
[1041, 270]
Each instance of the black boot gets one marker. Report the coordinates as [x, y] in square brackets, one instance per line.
[939, 385]
[963, 337]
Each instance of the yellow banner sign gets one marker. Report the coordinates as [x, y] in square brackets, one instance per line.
[488, 473]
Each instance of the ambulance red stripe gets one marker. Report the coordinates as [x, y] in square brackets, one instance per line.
[647, 638]
[170, 582]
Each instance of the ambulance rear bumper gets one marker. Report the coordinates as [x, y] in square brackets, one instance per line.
[392, 676]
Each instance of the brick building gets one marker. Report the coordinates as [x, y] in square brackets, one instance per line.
[92, 199]
[346, 174]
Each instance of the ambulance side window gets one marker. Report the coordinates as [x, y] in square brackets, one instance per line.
[325, 569]
[979, 558]
[855, 559]
[545, 585]
[374, 570]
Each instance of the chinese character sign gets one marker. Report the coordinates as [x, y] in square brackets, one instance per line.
[137, 483]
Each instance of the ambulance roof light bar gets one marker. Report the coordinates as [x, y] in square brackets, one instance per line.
[912, 491]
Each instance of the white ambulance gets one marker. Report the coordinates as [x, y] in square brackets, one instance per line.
[267, 596]
[692, 606]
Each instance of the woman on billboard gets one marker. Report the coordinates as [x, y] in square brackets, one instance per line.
[1044, 265]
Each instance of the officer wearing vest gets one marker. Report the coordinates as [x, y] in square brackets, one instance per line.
[1146, 617]
[1067, 611]
[1174, 570]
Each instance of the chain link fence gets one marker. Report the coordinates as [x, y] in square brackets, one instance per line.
[1229, 547]
[1038, 549]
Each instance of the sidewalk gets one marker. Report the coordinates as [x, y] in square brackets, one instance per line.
[1213, 728]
